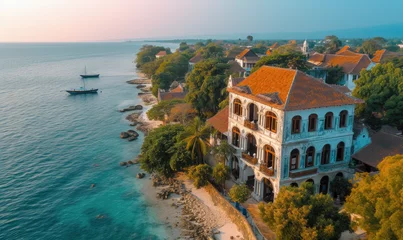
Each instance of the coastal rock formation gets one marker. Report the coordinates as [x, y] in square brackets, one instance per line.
[141, 86]
[130, 162]
[133, 117]
[123, 163]
[139, 81]
[124, 135]
[140, 175]
[132, 108]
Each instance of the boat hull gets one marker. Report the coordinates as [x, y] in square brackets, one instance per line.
[77, 92]
[89, 75]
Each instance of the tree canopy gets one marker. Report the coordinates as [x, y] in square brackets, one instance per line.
[147, 54]
[250, 38]
[239, 193]
[332, 44]
[221, 173]
[195, 136]
[162, 109]
[158, 150]
[211, 50]
[382, 90]
[297, 213]
[378, 199]
[370, 47]
[205, 83]
[334, 75]
[289, 60]
[200, 174]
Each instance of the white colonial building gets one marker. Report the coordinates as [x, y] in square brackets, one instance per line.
[288, 128]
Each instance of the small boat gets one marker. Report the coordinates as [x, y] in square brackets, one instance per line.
[82, 90]
[85, 75]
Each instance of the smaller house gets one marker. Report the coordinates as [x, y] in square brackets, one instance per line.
[220, 123]
[196, 59]
[384, 143]
[247, 59]
[383, 55]
[178, 92]
[161, 54]
[235, 69]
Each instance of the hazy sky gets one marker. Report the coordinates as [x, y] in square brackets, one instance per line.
[95, 20]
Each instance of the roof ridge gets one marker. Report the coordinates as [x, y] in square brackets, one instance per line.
[289, 90]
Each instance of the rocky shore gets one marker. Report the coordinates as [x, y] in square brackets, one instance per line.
[188, 212]
[139, 81]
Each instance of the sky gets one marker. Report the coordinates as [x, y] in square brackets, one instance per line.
[113, 20]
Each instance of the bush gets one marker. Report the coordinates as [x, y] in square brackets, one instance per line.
[200, 174]
[221, 173]
[341, 187]
[239, 193]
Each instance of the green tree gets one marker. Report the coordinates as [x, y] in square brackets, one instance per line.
[156, 150]
[223, 151]
[380, 88]
[332, 44]
[293, 60]
[149, 68]
[220, 174]
[297, 213]
[250, 38]
[199, 45]
[290, 48]
[162, 109]
[200, 175]
[147, 54]
[341, 187]
[183, 46]
[260, 48]
[181, 158]
[370, 47]
[377, 198]
[392, 48]
[239, 193]
[212, 50]
[319, 49]
[195, 136]
[205, 84]
[334, 75]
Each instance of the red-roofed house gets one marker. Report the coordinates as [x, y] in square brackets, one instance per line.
[288, 128]
[161, 54]
[247, 59]
[352, 64]
[381, 56]
[178, 92]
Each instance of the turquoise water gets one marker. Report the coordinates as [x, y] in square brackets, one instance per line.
[54, 146]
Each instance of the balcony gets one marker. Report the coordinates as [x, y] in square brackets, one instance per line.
[265, 170]
[303, 173]
[250, 125]
[249, 158]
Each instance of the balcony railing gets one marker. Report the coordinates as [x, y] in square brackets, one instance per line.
[303, 173]
[250, 125]
[249, 158]
[268, 171]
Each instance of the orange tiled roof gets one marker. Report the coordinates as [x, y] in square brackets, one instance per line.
[290, 90]
[349, 53]
[381, 55]
[161, 53]
[343, 49]
[247, 53]
[197, 58]
[268, 52]
[274, 46]
[163, 96]
[178, 89]
[220, 120]
[351, 64]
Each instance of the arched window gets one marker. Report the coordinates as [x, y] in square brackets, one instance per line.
[343, 118]
[236, 134]
[329, 120]
[325, 154]
[271, 122]
[324, 185]
[340, 152]
[294, 159]
[313, 119]
[237, 107]
[269, 156]
[310, 157]
[251, 145]
[296, 124]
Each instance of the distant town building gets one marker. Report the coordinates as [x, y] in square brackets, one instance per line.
[196, 59]
[287, 128]
[351, 62]
[305, 48]
[161, 54]
[247, 59]
[383, 55]
[236, 70]
[177, 92]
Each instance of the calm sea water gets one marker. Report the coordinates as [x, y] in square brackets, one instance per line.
[54, 146]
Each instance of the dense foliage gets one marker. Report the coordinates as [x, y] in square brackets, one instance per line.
[371, 46]
[332, 44]
[297, 213]
[182, 113]
[239, 193]
[334, 75]
[378, 199]
[221, 173]
[205, 84]
[147, 54]
[341, 187]
[288, 60]
[200, 174]
[157, 150]
[382, 89]
[162, 109]
[224, 151]
[195, 136]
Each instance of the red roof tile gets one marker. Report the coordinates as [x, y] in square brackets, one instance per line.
[220, 120]
[161, 53]
[197, 58]
[382, 55]
[247, 53]
[294, 89]
[343, 49]
[350, 64]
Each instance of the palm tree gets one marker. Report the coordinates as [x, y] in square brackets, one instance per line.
[223, 151]
[195, 136]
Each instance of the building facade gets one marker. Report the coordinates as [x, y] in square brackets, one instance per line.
[289, 128]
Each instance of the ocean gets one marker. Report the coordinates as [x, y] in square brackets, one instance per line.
[54, 146]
